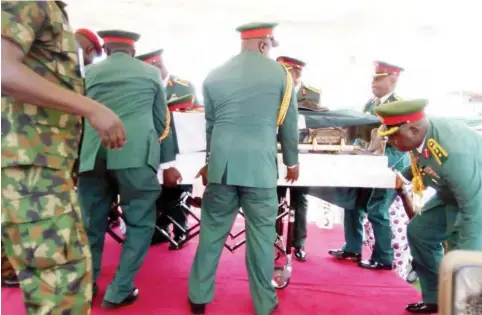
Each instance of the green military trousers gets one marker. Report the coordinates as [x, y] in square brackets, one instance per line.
[299, 202]
[426, 233]
[138, 189]
[220, 206]
[44, 238]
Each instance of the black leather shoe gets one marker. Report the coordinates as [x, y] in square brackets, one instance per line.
[373, 265]
[179, 239]
[197, 308]
[131, 298]
[341, 254]
[412, 276]
[300, 254]
[422, 308]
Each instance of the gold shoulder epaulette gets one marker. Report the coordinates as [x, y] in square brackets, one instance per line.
[182, 82]
[439, 153]
[313, 89]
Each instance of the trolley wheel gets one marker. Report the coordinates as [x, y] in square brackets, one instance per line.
[279, 280]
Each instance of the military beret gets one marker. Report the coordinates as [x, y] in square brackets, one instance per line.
[395, 114]
[258, 30]
[92, 37]
[291, 62]
[151, 57]
[383, 69]
[120, 37]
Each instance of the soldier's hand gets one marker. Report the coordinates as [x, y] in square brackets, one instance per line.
[171, 177]
[292, 174]
[398, 182]
[109, 127]
[203, 172]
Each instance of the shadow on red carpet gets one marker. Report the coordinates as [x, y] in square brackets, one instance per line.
[321, 285]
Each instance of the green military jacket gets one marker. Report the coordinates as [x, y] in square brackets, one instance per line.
[33, 135]
[133, 90]
[450, 162]
[241, 101]
[177, 88]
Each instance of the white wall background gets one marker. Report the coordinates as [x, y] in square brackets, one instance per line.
[437, 41]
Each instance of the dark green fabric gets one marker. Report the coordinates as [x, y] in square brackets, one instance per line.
[241, 102]
[132, 90]
[138, 189]
[337, 118]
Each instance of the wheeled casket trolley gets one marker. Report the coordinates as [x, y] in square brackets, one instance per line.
[326, 161]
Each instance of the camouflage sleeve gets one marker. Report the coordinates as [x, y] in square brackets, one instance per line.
[21, 20]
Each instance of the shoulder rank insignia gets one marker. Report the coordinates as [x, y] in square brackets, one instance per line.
[438, 152]
[181, 82]
[170, 83]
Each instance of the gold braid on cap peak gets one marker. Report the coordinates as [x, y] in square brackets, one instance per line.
[165, 133]
[389, 130]
[285, 103]
[417, 181]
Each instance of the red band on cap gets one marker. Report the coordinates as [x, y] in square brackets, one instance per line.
[396, 120]
[198, 106]
[386, 69]
[153, 59]
[92, 37]
[256, 33]
[180, 107]
[123, 40]
[291, 64]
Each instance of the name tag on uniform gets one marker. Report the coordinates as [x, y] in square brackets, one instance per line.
[80, 58]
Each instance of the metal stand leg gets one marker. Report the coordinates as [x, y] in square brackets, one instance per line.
[282, 272]
[114, 215]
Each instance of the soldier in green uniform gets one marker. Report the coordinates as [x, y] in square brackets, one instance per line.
[374, 202]
[308, 98]
[133, 90]
[42, 231]
[242, 104]
[447, 156]
[175, 89]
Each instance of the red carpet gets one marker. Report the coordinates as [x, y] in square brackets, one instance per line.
[320, 285]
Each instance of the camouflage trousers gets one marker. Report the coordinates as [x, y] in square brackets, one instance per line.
[45, 240]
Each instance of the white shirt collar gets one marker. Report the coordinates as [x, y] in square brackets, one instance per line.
[383, 99]
[166, 80]
[420, 148]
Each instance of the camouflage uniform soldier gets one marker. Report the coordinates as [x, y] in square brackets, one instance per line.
[42, 227]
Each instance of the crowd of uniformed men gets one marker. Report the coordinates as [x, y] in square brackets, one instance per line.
[53, 234]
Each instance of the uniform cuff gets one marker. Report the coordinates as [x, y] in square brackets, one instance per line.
[292, 166]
